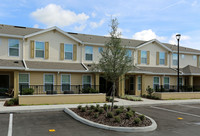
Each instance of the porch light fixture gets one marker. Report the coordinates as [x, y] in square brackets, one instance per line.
[178, 37]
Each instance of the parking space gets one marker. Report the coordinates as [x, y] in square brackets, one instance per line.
[61, 124]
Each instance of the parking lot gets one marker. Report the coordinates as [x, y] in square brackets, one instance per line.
[60, 124]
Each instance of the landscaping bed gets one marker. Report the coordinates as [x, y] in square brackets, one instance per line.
[120, 116]
[130, 98]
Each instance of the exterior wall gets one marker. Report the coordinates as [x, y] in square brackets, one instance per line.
[62, 99]
[178, 95]
[153, 48]
[4, 50]
[54, 38]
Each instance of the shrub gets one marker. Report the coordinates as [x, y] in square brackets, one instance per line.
[117, 119]
[149, 90]
[137, 120]
[27, 91]
[86, 107]
[109, 106]
[90, 112]
[115, 106]
[128, 108]
[100, 111]
[142, 117]
[93, 90]
[122, 107]
[89, 90]
[129, 115]
[97, 106]
[92, 107]
[118, 111]
[96, 109]
[96, 115]
[79, 107]
[10, 103]
[133, 112]
[144, 95]
[83, 109]
[68, 92]
[15, 101]
[110, 115]
[105, 106]
[109, 99]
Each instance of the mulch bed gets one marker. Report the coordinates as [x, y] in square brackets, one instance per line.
[103, 119]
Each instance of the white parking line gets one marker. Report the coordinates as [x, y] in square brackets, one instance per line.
[10, 125]
[189, 106]
[184, 113]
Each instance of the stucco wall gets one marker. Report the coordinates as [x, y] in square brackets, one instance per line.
[62, 99]
[187, 60]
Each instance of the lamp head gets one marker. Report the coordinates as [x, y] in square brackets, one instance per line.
[178, 36]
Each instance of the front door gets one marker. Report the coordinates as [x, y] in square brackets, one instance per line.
[4, 84]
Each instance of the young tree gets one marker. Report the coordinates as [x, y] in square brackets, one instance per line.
[114, 61]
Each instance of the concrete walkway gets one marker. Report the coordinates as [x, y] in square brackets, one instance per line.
[41, 108]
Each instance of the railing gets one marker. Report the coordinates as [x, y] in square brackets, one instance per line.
[173, 88]
[58, 89]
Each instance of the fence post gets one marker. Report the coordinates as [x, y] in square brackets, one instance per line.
[79, 89]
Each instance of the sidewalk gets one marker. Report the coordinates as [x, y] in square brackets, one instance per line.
[121, 102]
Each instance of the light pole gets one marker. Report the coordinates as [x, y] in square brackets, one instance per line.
[178, 36]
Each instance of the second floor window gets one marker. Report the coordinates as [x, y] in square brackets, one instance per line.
[13, 47]
[88, 53]
[39, 49]
[194, 57]
[162, 58]
[144, 57]
[129, 53]
[100, 49]
[175, 59]
[68, 51]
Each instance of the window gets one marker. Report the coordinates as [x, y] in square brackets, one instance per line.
[131, 83]
[88, 53]
[182, 56]
[180, 81]
[162, 58]
[100, 49]
[68, 51]
[166, 82]
[194, 57]
[139, 83]
[156, 82]
[39, 49]
[66, 81]
[175, 59]
[144, 57]
[48, 82]
[129, 53]
[13, 47]
[87, 80]
[23, 81]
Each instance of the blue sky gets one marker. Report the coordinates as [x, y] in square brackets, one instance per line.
[144, 19]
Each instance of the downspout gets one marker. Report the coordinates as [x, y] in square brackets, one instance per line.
[82, 57]
[23, 60]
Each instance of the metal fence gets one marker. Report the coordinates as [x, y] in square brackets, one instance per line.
[173, 88]
[58, 89]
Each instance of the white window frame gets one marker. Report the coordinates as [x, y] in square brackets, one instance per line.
[25, 82]
[139, 84]
[86, 75]
[68, 51]
[87, 53]
[44, 80]
[156, 83]
[13, 48]
[40, 50]
[164, 82]
[161, 59]
[69, 82]
[176, 59]
[145, 58]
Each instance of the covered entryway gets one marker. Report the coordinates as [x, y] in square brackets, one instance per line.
[4, 84]
[105, 86]
[130, 85]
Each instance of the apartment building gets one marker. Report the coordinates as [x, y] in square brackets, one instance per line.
[49, 58]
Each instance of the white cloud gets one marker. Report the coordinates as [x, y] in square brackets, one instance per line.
[173, 39]
[95, 24]
[80, 28]
[36, 26]
[194, 3]
[93, 14]
[147, 35]
[55, 15]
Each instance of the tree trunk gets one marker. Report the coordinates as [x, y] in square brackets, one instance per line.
[113, 95]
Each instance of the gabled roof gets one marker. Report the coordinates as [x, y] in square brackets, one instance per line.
[190, 70]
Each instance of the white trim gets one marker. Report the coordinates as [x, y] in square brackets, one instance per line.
[153, 81]
[87, 75]
[14, 48]
[44, 79]
[55, 70]
[84, 66]
[185, 52]
[153, 40]
[40, 50]
[53, 28]
[69, 52]
[19, 68]
[11, 36]
[69, 82]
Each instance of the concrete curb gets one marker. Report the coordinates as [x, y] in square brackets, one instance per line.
[120, 129]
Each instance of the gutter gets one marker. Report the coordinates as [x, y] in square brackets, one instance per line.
[56, 70]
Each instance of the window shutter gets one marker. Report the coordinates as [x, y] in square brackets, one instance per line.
[148, 57]
[157, 58]
[166, 56]
[62, 51]
[46, 50]
[74, 52]
[32, 47]
[139, 56]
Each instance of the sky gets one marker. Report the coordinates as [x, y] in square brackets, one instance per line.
[138, 19]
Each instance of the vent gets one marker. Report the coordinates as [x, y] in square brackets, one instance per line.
[72, 33]
[20, 27]
[89, 65]
[16, 61]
